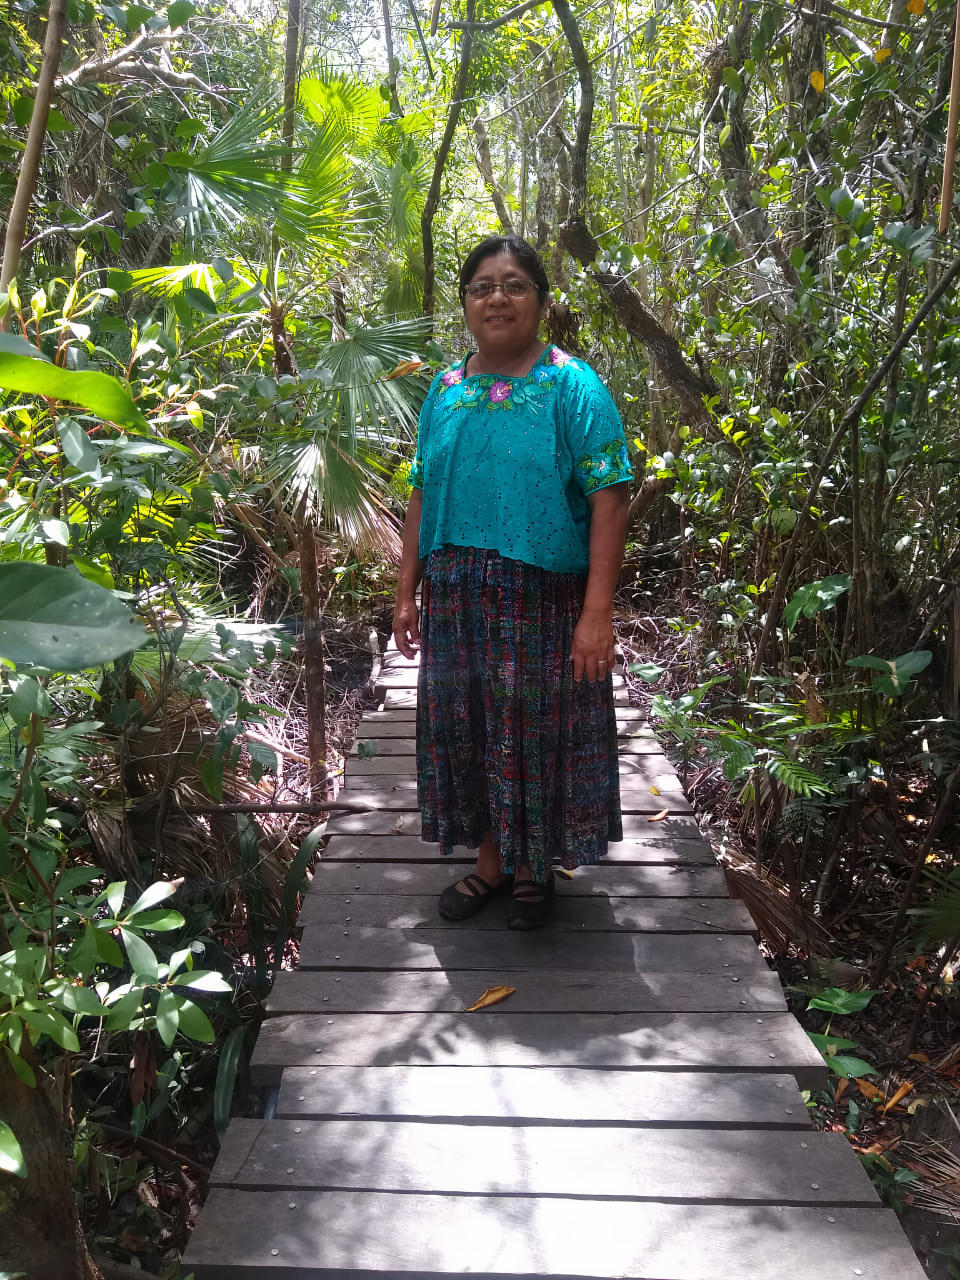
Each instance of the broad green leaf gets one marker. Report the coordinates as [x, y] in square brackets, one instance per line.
[50, 1022]
[11, 1157]
[140, 954]
[157, 892]
[123, 1012]
[168, 1017]
[115, 893]
[77, 449]
[814, 596]
[159, 921]
[97, 392]
[844, 1064]
[54, 618]
[179, 12]
[836, 1000]
[13, 344]
[74, 999]
[226, 1079]
[22, 1069]
[28, 699]
[830, 1044]
[195, 1023]
[208, 981]
[648, 671]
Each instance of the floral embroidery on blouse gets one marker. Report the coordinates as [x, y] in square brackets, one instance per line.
[452, 376]
[559, 358]
[605, 466]
[499, 392]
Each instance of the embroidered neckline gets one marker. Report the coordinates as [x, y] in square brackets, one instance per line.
[542, 359]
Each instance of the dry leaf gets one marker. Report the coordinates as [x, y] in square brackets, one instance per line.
[658, 817]
[919, 1057]
[915, 7]
[869, 1090]
[492, 995]
[654, 789]
[913, 1107]
[562, 871]
[403, 368]
[899, 1096]
[882, 55]
[817, 80]
[841, 1089]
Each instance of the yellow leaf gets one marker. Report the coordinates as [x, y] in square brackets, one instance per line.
[899, 1096]
[869, 1090]
[492, 995]
[562, 871]
[882, 55]
[919, 1057]
[915, 6]
[817, 80]
[658, 817]
[403, 368]
[654, 790]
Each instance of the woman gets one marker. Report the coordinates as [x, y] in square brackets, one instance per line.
[516, 524]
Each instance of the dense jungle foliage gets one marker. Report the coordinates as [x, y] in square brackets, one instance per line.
[232, 237]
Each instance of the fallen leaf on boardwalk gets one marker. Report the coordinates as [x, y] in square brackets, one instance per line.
[492, 995]
[562, 871]
[899, 1096]
[869, 1090]
[658, 817]
[654, 789]
[919, 1057]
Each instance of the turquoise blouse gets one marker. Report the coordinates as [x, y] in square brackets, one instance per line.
[507, 463]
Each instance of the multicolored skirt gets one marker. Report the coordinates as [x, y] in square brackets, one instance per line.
[507, 741]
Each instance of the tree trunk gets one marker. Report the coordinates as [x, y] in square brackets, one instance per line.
[40, 1233]
[485, 165]
[313, 666]
[433, 193]
[32, 152]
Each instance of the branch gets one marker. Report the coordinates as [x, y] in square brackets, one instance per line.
[852, 415]
[492, 23]
[485, 164]
[32, 152]
[137, 70]
[75, 230]
[581, 144]
[95, 67]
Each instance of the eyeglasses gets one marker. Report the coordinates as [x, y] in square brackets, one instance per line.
[511, 288]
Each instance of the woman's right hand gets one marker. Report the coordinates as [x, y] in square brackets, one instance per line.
[406, 627]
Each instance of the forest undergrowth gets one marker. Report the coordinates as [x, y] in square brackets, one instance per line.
[825, 876]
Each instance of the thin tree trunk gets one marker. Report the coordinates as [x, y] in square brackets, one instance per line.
[433, 192]
[391, 58]
[313, 659]
[33, 151]
[485, 165]
[291, 60]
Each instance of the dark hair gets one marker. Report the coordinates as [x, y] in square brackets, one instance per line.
[525, 254]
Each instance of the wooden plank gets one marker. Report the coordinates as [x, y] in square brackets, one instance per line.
[638, 830]
[659, 1099]
[411, 879]
[393, 699]
[407, 676]
[401, 793]
[336, 1234]
[396, 715]
[394, 839]
[757, 990]
[394, 744]
[639, 1041]
[359, 948]
[696, 1165]
[644, 771]
[599, 914]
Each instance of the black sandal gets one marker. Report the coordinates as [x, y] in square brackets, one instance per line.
[531, 904]
[455, 905]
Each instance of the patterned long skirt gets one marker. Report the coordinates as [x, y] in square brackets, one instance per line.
[507, 741]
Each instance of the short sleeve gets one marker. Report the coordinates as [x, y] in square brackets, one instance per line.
[594, 431]
[415, 474]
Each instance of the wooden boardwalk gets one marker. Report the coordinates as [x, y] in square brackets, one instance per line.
[633, 1110]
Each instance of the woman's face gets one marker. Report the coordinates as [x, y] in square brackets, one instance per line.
[498, 322]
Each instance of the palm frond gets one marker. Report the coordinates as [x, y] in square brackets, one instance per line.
[358, 109]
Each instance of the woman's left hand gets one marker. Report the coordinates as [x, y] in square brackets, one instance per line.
[593, 652]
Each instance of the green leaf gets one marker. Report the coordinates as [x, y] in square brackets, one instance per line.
[48, 1021]
[843, 1064]
[77, 449]
[208, 981]
[137, 15]
[828, 1045]
[13, 344]
[179, 12]
[124, 1010]
[222, 698]
[195, 1023]
[93, 572]
[814, 596]
[158, 892]
[74, 999]
[168, 1017]
[22, 1069]
[97, 392]
[648, 671]
[836, 1000]
[200, 300]
[54, 618]
[115, 893]
[159, 921]
[22, 110]
[11, 1157]
[141, 956]
[226, 1079]
[28, 699]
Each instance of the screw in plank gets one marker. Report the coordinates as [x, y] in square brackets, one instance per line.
[815, 1186]
[274, 1252]
[804, 1146]
[734, 979]
[348, 919]
[298, 1129]
[790, 1113]
[292, 1204]
[326, 999]
[314, 1071]
[831, 1218]
[337, 979]
[301, 1097]
[336, 957]
[771, 1055]
[743, 1002]
[289, 1171]
[780, 1085]
[858, 1271]
[760, 1020]
[329, 1022]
